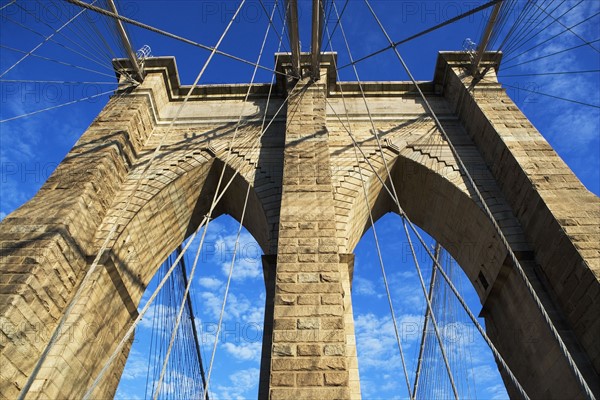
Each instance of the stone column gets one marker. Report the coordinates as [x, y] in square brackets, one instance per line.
[313, 348]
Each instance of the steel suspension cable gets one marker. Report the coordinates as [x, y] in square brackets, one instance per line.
[380, 258]
[426, 31]
[455, 292]
[91, 56]
[263, 130]
[425, 323]
[527, 34]
[141, 314]
[431, 313]
[526, 38]
[589, 71]
[552, 38]
[171, 35]
[551, 54]
[81, 32]
[41, 43]
[8, 4]
[546, 94]
[526, 29]
[213, 205]
[56, 61]
[56, 106]
[113, 230]
[130, 331]
[574, 368]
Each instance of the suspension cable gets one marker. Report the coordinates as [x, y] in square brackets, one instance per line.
[181, 307]
[41, 43]
[388, 173]
[426, 31]
[8, 4]
[554, 37]
[526, 34]
[426, 322]
[171, 35]
[551, 54]
[56, 106]
[574, 368]
[380, 258]
[91, 56]
[546, 94]
[113, 230]
[431, 313]
[589, 71]
[56, 61]
[131, 330]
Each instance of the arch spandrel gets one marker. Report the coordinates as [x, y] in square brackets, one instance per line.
[170, 204]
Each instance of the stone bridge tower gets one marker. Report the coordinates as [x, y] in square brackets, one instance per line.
[307, 211]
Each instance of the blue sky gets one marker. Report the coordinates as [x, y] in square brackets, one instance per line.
[31, 147]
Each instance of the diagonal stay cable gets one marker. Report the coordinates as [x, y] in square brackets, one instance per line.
[171, 35]
[463, 304]
[56, 82]
[57, 61]
[56, 106]
[41, 43]
[143, 311]
[552, 38]
[574, 368]
[395, 195]
[530, 35]
[589, 71]
[551, 54]
[91, 56]
[546, 94]
[380, 258]
[87, 277]
[337, 22]
[213, 205]
[8, 4]
[263, 130]
[426, 31]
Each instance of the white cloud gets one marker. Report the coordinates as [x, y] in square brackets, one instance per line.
[136, 367]
[244, 351]
[210, 282]
[238, 308]
[363, 286]
[156, 311]
[243, 269]
[242, 385]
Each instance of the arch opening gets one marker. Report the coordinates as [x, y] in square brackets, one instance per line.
[236, 366]
[474, 369]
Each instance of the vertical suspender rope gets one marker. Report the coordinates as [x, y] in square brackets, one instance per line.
[425, 322]
[431, 313]
[188, 300]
